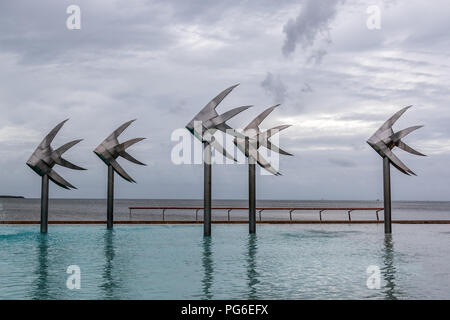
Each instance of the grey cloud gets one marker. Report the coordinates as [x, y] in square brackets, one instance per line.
[307, 88]
[317, 56]
[342, 162]
[312, 22]
[36, 30]
[39, 34]
[274, 86]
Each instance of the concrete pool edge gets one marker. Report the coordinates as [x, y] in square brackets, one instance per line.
[125, 222]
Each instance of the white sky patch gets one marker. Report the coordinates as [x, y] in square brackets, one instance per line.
[320, 125]
[331, 147]
[11, 134]
[195, 37]
[434, 146]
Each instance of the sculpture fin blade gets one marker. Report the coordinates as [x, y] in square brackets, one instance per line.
[407, 148]
[120, 129]
[396, 162]
[67, 146]
[263, 139]
[51, 135]
[270, 132]
[126, 144]
[253, 153]
[403, 133]
[120, 171]
[269, 145]
[228, 115]
[390, 122]
[63, 162]
[212, 105]
[127, 156]
[260, 118]
[60, 181]
[56, 155]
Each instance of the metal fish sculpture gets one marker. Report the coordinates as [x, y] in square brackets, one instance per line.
[256, 138]
[385, 139]
[110, 149]
[45, 157]
[208, 121]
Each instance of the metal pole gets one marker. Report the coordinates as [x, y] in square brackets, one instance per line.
[110, 199]
[207, 190]
[387, 195]
[44, 204]
[251, 196]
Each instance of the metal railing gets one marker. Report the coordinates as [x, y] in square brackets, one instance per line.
[261, 209]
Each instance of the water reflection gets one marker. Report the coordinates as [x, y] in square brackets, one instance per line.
[109, 284]
[252, 274]
[40, 287]
[208, 268]
[389, 270]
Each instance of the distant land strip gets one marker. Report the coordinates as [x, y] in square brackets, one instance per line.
[227, 222]
[11, 197]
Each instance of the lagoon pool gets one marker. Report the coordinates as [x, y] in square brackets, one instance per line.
[176, 262]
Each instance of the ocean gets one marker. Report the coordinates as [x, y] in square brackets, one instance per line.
[95, 209]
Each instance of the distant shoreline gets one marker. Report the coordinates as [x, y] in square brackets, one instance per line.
[11, 197]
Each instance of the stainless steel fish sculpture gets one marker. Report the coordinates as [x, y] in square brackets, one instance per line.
[208, 121]
[44, 158]
[110, 149]
[256, 138]
[385, 139]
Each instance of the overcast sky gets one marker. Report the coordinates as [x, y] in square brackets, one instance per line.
[162, 61]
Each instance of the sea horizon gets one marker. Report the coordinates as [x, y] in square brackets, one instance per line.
[94, 209]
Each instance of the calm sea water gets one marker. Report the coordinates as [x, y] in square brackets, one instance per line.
[95, 209]
[176, 262]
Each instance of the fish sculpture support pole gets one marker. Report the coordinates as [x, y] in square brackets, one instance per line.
[383, 141]
[108, 151]
[44, 204]
[203, 126]
[251, 193]
[252, 198]
[207, 189]
[387, 195]
[42, 161]
[110, 199]
[249, 145]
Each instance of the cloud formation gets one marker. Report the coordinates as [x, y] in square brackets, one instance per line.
[274, 86]
[162, 61]
[312, 22]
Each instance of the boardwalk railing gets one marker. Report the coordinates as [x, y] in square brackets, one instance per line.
[261, 209]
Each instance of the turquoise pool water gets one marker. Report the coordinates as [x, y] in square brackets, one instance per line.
[175, 262]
